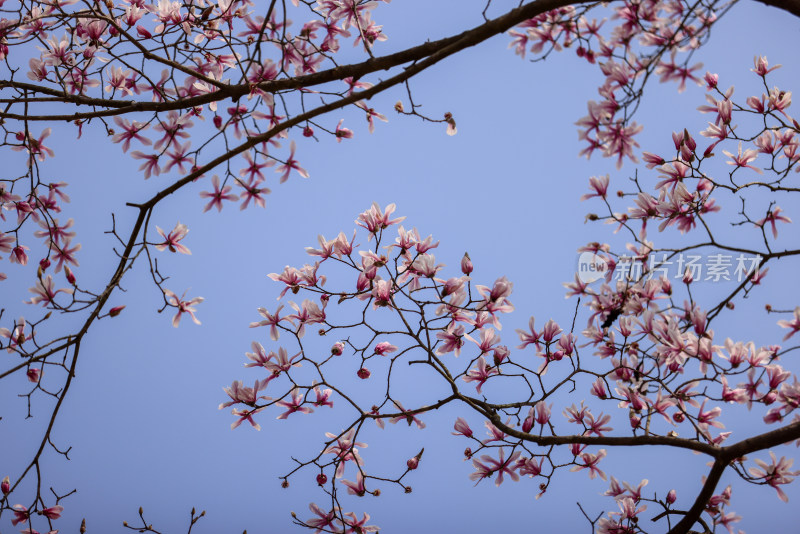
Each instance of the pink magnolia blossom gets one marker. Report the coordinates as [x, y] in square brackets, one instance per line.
[294, 405]
[480, 374]
[21, 514]
[358, 526]
[130, 131]
[406, 416]
[184, 306]
[793, 324]
[34, 375]
[272, 320]
[775, 474]
[383, 348]
[53, 512]
[239, 393]
[488, 466]
[357, 487]
[462, 428]
[452, 340]
[291, 164]
[171, 240]
[218, 195]
[324, 520]
[590, 462]
[375, 219]
[323, 397]
[772, 217]
[743, 159]
[345, 449]
[45, 292]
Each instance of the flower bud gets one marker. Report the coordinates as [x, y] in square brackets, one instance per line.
[413, 463]
[113, 312]
[322, 478]
[363, 373]
[70, 276]
[671, 497]
[687, 276]
[337, 348]
[5, 486]
[217, 121]
[34, 375]
[466, 264]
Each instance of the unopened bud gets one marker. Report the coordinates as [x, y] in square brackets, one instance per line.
[412, 463]
[285, 484]
[671, 497]
[363, 373]
[466, 264]
[113, 312]
[5, 486]
[322, 478]
[70, 276]
[34, 375]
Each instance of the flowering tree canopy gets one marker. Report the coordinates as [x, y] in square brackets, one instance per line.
[211, 100]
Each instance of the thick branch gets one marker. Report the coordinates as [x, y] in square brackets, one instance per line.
[463, 40]
[700, 502]
[792, 6]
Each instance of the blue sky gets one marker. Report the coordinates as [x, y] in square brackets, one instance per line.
[142, 417]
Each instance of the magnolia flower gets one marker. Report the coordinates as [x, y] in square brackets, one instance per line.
[171, 240]
[184, 306]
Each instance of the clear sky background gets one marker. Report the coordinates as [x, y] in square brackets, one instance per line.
[142, 417]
